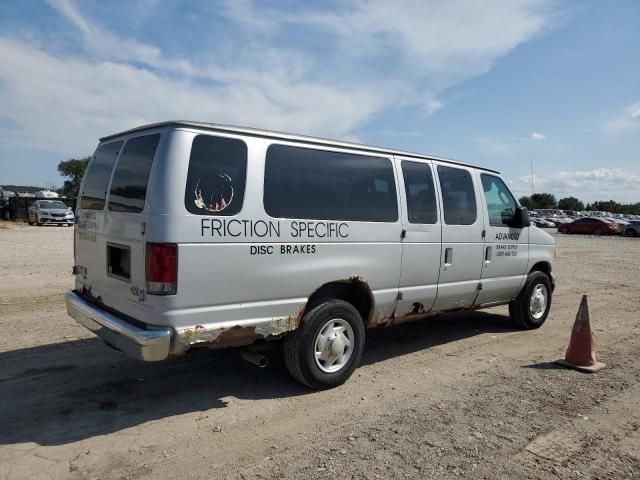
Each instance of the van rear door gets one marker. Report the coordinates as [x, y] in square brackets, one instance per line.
[112, 214]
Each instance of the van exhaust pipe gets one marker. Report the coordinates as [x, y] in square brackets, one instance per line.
[254, 358]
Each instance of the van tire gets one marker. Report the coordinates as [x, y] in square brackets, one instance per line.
[300, 345]
[520, 308]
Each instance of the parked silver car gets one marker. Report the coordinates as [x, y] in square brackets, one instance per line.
[50, 211]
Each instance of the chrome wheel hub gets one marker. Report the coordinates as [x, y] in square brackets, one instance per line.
[334, 345]
[538, 301]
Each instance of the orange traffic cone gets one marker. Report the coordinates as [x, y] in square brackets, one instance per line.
[581, 353]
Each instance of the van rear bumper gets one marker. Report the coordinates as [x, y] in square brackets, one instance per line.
[147, 345]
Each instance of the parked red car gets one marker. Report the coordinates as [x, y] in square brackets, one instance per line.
[591, 226]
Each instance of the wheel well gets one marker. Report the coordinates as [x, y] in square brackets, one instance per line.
[542, 267]
[354, 290]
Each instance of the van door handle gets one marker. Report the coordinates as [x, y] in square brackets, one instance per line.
[448, 257]
[487, 255]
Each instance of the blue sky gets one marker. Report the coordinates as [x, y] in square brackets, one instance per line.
[494, 83]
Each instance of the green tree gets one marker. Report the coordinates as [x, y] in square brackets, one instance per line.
[526, 202]
[608, 206]
[72, 171]
[544, 200]
[570, 203]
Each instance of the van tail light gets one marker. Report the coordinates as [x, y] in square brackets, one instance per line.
[162, 268]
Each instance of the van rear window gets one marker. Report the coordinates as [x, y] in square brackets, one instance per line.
[326, 185]
[216, 176]
[97, 177]
[129, 184]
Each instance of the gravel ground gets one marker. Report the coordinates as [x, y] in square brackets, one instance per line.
[464, 395]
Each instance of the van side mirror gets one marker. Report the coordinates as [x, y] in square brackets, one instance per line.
[521, 218]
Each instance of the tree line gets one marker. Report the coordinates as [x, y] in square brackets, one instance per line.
[548, 200]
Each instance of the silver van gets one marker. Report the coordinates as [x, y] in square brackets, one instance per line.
[202, 235]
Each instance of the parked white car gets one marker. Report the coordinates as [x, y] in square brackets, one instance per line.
[201, 235]
[50, 212]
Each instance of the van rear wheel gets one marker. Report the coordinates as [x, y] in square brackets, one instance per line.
[531, 307]
[327, 346]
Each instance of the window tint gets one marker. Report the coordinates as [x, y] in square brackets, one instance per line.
[97, 177]
[216, 177]
[51, 204]
[323, 185]
[129, 184]
[458, 197]
[421, 197]
[500, 203]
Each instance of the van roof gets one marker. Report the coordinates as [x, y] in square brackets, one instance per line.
[216, 127]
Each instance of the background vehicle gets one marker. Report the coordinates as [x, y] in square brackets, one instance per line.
[591, 226]
[542, 222]
[621, 223]
[632, 229]
[50, 211]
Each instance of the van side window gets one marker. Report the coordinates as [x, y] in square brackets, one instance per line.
[458, 197]
[500, 203]
[129, 185]
[217, 176]
[421, 196]
[326, 185]
[94, 190]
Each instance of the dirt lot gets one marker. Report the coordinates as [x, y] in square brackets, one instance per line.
[459, 396]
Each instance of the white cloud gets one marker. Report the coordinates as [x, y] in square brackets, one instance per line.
[432, 106]
[374, 55]
[538, 136]
[627, 122]
[590, 185]
[448, 40]
[66, 103]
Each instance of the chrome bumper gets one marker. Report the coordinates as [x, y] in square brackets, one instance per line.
[147, 345]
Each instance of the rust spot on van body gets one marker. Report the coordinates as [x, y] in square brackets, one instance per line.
[236, 335]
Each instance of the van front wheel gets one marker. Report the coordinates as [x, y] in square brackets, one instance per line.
[531, 307]
[327, 346]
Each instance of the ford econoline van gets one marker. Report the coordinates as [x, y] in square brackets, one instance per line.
[202, 235]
